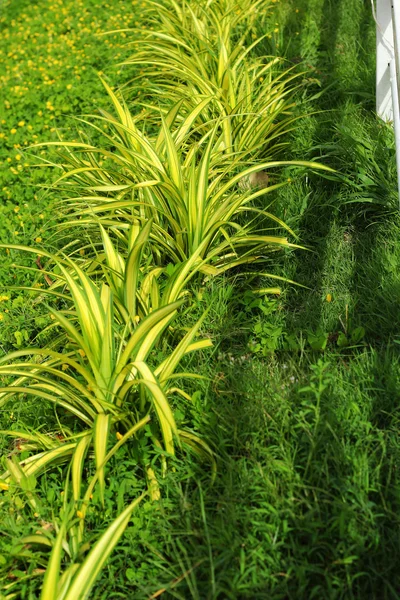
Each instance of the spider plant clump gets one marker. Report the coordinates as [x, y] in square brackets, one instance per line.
[203, 220]
[208, 51]
[77, 579]
[109, 387]
[100, 373]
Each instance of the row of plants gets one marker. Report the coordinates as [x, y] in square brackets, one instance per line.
[156, 199]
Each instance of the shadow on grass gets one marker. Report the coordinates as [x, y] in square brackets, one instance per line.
[347, 259]
[305, 502]
[305, 505]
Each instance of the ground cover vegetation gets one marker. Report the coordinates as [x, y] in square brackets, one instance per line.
[171, 402]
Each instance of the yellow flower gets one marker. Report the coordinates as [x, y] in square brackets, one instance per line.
[21, 123]
[69, 86]
[329, 298]
[16, 209]
[4, 486]
[40, 113]
[64, 367]
[81, 352]
[13, 131]
[79, 514]
[119, 435]
[1, 317]
[38, 240]
[18, 157]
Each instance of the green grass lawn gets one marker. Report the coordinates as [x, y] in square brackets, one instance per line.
[51, 56]
[301, 402]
